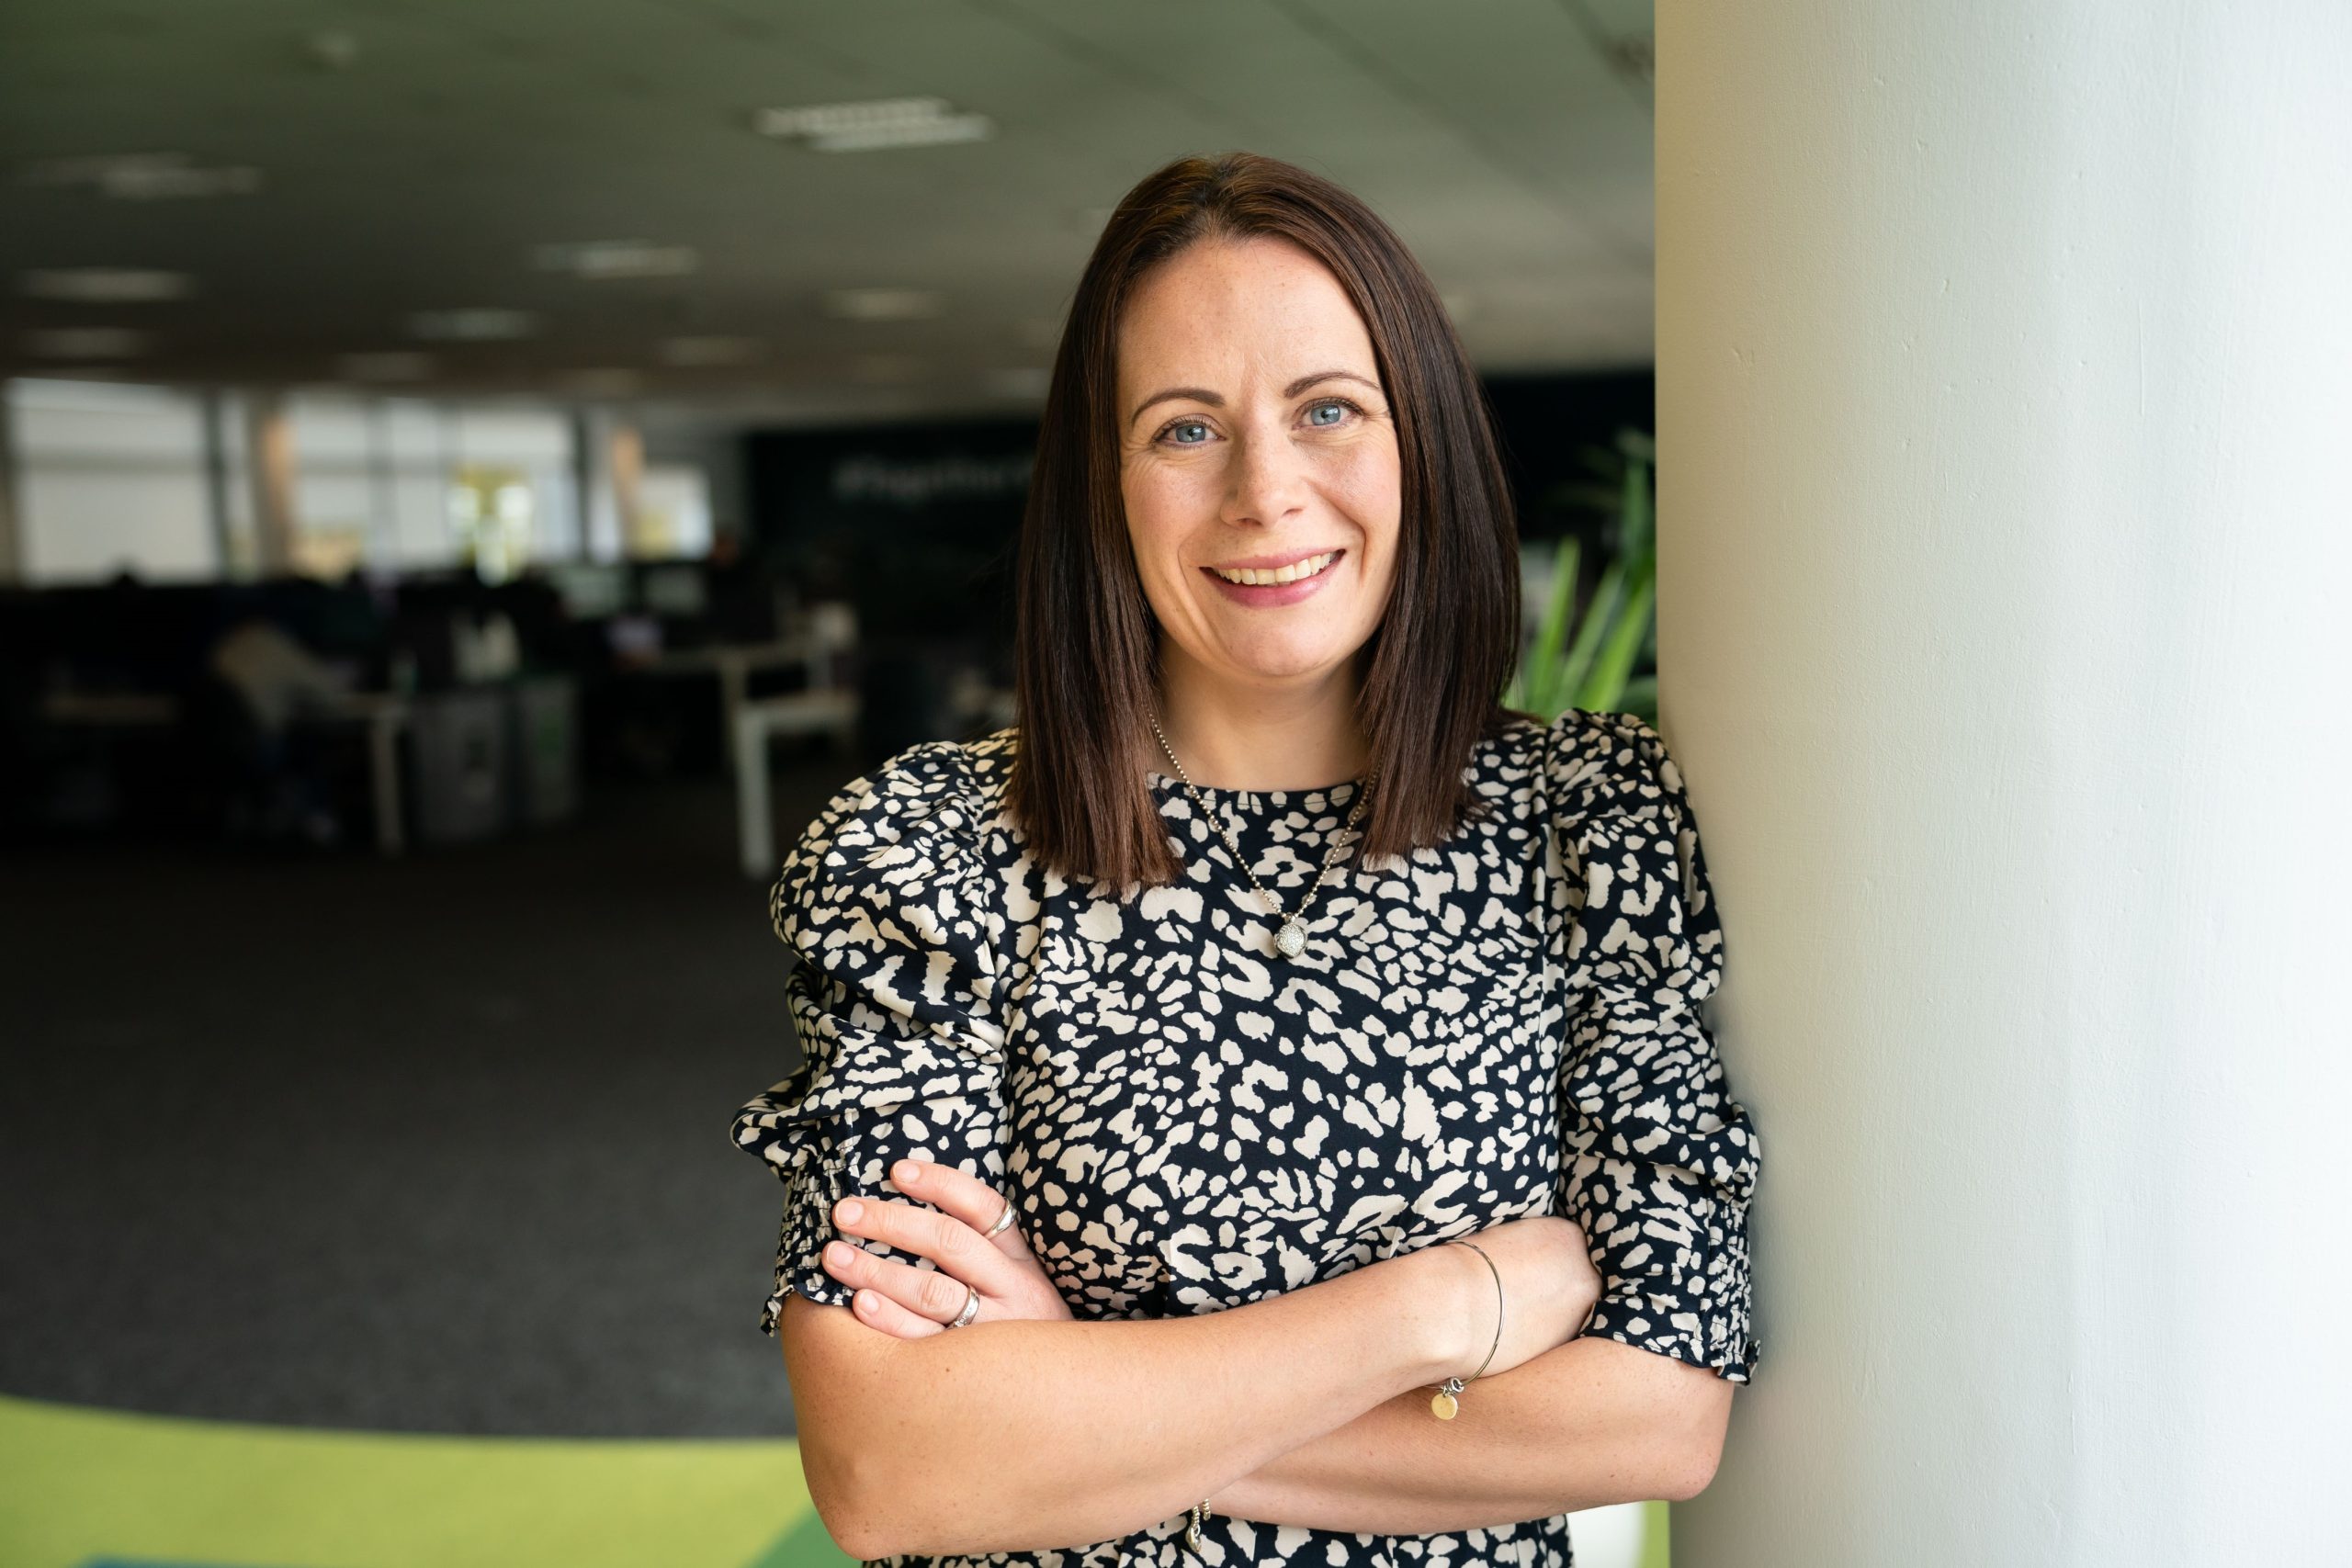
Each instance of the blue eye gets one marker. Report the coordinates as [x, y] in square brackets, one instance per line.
[1335, 408]
[1189, 425]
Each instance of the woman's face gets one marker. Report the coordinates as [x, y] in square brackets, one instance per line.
[1255, 440]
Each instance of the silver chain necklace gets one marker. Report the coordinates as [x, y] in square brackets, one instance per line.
[1291, 937]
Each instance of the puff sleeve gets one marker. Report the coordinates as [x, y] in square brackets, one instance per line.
[1659, 1162]
[885, 899]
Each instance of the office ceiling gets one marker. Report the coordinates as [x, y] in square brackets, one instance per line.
[322, 173]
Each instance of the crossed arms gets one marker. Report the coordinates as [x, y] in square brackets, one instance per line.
[1307, 1408]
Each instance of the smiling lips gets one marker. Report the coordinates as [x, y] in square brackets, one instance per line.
[1295, 569]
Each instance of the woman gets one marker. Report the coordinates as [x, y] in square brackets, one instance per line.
[1168, 1036]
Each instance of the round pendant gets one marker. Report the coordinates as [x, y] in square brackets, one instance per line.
[1291, 939]
[1443, 1404]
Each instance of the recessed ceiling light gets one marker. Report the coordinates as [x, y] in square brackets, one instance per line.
[85, 342]
[884, 304]
[875, 123]
[618, 258]
[708, 351]
[389, 365]
[105, 285]
[332, 50]
[473, 324]
[166, 185]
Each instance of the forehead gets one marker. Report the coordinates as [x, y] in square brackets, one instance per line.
[1227, 308]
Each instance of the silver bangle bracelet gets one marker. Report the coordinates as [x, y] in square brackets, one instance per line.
[1445, 1403]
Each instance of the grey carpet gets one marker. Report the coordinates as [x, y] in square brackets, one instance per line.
[430, 1144]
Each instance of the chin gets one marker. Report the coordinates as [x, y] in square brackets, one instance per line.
[1287, 663]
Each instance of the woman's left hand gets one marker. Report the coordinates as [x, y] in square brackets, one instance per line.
[912, 1302]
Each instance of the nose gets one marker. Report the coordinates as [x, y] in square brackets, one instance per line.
[1265, 480]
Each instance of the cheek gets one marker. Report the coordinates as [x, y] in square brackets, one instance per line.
[1368, 486]
[1172, 493]
[1157, 524]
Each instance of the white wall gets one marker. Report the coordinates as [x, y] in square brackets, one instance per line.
[2003, 358]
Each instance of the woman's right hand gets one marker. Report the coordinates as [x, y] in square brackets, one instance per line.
[910, 1303]
[1549, 1288]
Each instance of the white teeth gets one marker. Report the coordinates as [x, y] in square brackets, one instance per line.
[1290, 573]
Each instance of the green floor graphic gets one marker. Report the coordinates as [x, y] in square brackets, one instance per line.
[88, 1487]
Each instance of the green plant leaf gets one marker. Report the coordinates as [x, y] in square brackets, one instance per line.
[1568, 676]
[1619, 625]
[1605, 685]
[1637, 535]
[1553, 629]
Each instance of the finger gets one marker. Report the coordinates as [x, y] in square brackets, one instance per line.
[909, 1301]
[953, 1246]
[879, 1310]
[963, 1195]
[944, 1238]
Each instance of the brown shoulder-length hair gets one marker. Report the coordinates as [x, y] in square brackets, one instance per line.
[1430, 676]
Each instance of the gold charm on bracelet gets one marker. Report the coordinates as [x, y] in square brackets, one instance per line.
[1445, 1404]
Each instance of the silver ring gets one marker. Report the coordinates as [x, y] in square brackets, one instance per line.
[971, 1309]
[1003, 1222]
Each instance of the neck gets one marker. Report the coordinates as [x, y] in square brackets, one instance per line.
[1286, 735]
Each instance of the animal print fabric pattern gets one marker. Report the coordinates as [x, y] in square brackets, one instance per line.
[1502, 1025]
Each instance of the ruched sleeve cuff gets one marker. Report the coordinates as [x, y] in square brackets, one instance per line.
[1658, 1161]
[887, 902]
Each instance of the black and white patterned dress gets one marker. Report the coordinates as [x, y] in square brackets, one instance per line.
[1506, 1024]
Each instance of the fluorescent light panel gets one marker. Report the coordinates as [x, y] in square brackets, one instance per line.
[884, 304]
[692, 352]
[480, 323]
[1028, 382]
[602, 259]
[85, 342]
[105, 285]
[874, 124]
[145, 177]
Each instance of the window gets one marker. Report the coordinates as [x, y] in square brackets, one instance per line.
[111, 476]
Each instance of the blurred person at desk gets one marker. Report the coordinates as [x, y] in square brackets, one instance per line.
[283, 790]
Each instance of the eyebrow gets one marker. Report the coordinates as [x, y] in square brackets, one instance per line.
[1203, 395]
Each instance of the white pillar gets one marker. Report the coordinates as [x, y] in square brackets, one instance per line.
[2005, 385]
[625, 461]
[270, 463]
[611, 458]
